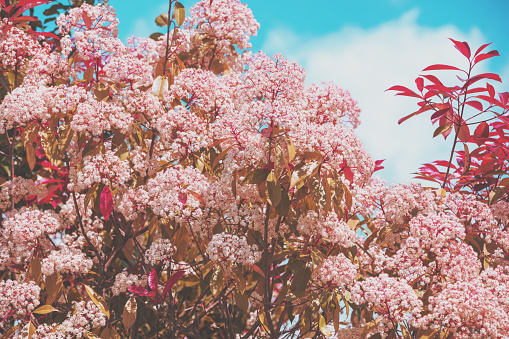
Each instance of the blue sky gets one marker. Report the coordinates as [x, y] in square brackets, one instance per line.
[366, 47]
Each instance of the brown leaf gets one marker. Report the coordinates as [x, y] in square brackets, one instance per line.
[180, 13]
[129, 314]
[162, 20]
[45, 309]
[98, 300]
[54, 287]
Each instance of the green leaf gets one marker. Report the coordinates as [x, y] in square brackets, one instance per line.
[162, 20]
[441, 130]
[181, 242]
[302, 172]
[54, 287]
[300, 279]
[497, 193]
[323, 326]
[283, 207]
[256, 176]
[279, 163]
[274, 190]
[45, 309]
[34, 270]
[155, 36]
[129, 314]
[242, 301]
[27, 331]
[98, 300]
[180, 13]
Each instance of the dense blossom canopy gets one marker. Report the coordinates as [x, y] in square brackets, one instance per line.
[186, 187]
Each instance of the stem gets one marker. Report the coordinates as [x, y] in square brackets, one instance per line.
[458, 130]
[80, 222]
[267, 295]
[167, 38]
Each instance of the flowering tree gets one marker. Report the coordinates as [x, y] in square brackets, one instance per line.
[185, 187]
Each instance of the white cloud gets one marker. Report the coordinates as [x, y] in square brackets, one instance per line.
[367, 62]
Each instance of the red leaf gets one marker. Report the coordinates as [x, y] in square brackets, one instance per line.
[491, 100]
[439, 113]
[433, 79]
[491, 76]
[462, 47]
[25, 5]
[182, 197]
[152, 280]
[476, 90]
[420, 84]
[258, 270]
[464, 133]
[443, 163]
[482, 131]
[378, 165]
[2, 3]
[488, 55]
[491, 90]
[47, 34]
[50, 193]
[348, 173]
[106, 203]
[467, 159]
[429, 169]
[138, 289]
[479, 50]
[404, 91]
[478, 77]
[504, 97]
[439, 88]
[24, 18]
[86, 19]
[422, 110]
[475, 104]
[172, 281]
[437, 67]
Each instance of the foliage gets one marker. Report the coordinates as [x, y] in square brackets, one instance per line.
[184, 187]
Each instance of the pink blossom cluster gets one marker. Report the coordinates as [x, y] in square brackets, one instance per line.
[335, 271]
[94, 30]
[395, 301]
[472, 308]
[328, 226]
[16, 48]
[22, 230]
[94, 117]
[125, 280]
[395, 203]
[129, 69]
[13, 191]
[160, 251]
[232, 249]
[27, 224]
[17, 299]
[330, 104]
[105, 168]
[86, 316]
[141, 162]
[222, 205]
[174, 192]
[38, 103]
[66, 260]
[223, 20]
